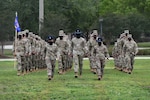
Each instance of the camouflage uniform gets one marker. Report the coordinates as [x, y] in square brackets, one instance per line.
[62, 52]
[18, 52]
[21, 51]
[120, 44]
[130, 50]
[100, 51]
[28, 56]
[69, 59]
[33, 52]
[50, 59]
[43, 54]
[26, 51]
[91, 43]
[116, 53]
[37, 52]
[78, 49]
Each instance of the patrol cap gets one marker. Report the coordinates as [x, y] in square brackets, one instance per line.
[30, 33]
[27, 31]
[77, 32]
[94, 32]
[23, 32]
[36, 37]
[50, 37]
[99, 39]
[61, 33]
[126, 31]
[19, 33]
[33, 35]
[39, 38]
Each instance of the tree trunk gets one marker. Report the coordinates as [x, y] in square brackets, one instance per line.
[2, 48]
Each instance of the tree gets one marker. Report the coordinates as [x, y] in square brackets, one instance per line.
[6, 25]
[53, 22]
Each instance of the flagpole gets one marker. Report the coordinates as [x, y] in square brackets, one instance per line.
[15, 45]
[41, 15]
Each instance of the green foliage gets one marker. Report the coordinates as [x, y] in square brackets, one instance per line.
[6, 25]
[115, 85]
[53, 23]
[72, 14]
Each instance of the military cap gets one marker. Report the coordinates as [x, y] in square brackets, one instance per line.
[78, 31]
[126, 31]
[61, 33]
[50, 38]
[27, 31]
[19, 33]
[99, 39]
[94, 32]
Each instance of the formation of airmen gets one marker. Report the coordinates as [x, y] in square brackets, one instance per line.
[34, 53]
[124, 51]
[29, 50]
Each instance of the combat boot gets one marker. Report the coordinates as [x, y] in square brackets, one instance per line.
[119, 68]
[94, 70]
[23, 73]
[126, 70]
[129, 71]
[49, 77]
[80, 73]
[99, 77]
[76, 75]
[18, 73]
[60, 71]
[91, 69]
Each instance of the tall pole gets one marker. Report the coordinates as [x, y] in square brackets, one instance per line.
[41, 15]
[15, 42]
[101, 27]
[15, 36]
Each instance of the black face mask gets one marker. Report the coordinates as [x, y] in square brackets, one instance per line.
[94, 37]
[129, 39]
[78, 35]
[61, 37]
[50, 43]
[99, 43]
[19, 36]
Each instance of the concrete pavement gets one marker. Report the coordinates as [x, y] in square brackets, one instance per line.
[147, 57]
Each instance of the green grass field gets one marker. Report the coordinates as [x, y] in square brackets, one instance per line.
[115, 85]
[144, 44]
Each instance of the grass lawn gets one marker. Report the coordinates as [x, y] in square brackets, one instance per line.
[115, 85]
[144, 44]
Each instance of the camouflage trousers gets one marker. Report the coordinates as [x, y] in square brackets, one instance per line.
[28, 63]
[50, 66]
[129, 61]
[78, 63]
[92, 62]
[118, 61]
[19, 66]
[33, 61]
[21, 62]
[70, 62]
[62, 62]
[100, 64]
